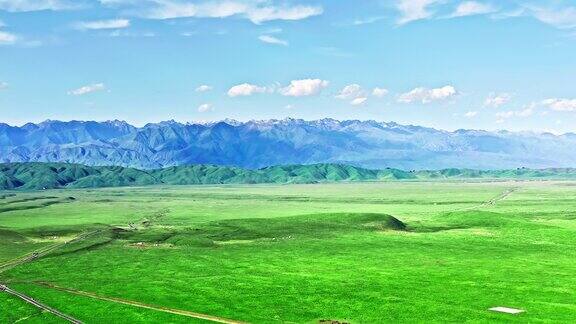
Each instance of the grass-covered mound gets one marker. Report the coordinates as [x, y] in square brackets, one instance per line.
[267, 229]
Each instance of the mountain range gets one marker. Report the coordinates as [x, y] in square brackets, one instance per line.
[38, 175]
[258, 144]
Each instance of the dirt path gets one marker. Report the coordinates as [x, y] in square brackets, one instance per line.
[30, 300]
[491, 201]
[140, 304]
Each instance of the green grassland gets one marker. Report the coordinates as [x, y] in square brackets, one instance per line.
[358, 252]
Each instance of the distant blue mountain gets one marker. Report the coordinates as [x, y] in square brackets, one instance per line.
[257, 144]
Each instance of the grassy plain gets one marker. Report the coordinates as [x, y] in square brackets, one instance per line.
[297, 253]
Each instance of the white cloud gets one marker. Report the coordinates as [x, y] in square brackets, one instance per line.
[3, 85]
[425, 95]
[496, 100]
[379, 92]
[245, 89]
[87, 89]
[36, 5]
[526, 112]
[350, 91]
[358, 101]
[127, 33]
[557, 17]
[504, 114]
[262, 14]
[304, 87]
[203, 88]
[256, 11]
[272, 40]
[354, 93]
[365, 21]
[559, 104]
[412, 10]
[7, 38]
[205, 107]
[471, 114]
[470, 8]
[103, 24]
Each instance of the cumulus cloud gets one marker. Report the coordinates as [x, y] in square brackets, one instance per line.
[412, 10]
[496, 100]
[256, 11]
[425, 95]
[103, 24]
[203, 88]
[272, 40]
[245, 89]
[87, 89]
[304, 87]
[7, 38]
[358, 101]
[354, 93]
[205, 107]
[379, 92]
[471, 114]
[470, 8]
[350, 91]
[36, 5]
[560, 104]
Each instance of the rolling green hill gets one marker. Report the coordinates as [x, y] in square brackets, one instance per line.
[37, 176]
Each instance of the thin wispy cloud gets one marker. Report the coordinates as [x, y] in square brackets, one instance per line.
[495, 100]
[272, 40]
[103, 24]
[256, 11]
[560, 17]
[37, 5]
[471, 8]
[203, 88]
[7, 38]
[87, 89]
[412, 10]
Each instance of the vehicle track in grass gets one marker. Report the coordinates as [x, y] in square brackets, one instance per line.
[36, 254]
[175, 311]
[38, 304]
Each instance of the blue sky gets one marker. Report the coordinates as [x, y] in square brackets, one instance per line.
[443, 63]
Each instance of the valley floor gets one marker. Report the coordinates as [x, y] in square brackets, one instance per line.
[354, 252]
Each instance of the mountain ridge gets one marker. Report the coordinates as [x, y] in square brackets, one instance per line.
[40, 176]
[259, 143]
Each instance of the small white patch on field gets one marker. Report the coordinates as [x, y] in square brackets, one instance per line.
[506, 310]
